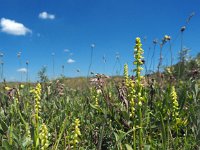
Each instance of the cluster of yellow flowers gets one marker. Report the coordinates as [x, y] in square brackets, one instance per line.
[37, 97]
[95, 95]
[15, 94]
[130, 89]
[28, 134]
[134, 90]
[126, 75]
[7, 88]
[44, 137]
[76, 132]
[179, 121]
[138, 51]
[19, 93]
[132, 97]
[174, 102]
[169, 70]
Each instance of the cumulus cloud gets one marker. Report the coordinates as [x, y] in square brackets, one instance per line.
[23, 70]
[69, 61]
[45, 15]
[12, 27]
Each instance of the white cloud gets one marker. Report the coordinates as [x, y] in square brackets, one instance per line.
[13, 27]
[69, 61]
[45, 15]
[66, 50]
[23, 70]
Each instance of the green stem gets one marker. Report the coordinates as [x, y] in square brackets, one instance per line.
[140, 130]
[134, 139]
[60, 134]
[163, 135]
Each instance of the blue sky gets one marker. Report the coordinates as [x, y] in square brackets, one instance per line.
[68, 28]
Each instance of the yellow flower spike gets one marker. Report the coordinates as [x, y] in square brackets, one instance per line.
[131, 90]
[140, 103]
[16, 99]
[76, 133]
[175, 105]
[126, 74]
[95, 96]
[7, 88]
[168, 69]
[44, 137]
[138, 51]
[174, 96]
[37, 97]
[31, 90]
[131, 96]
[21, 86]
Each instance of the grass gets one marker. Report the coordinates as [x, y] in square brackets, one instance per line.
[158, 111]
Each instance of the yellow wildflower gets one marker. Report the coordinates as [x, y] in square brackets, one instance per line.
[7, 88]
[44, 137]
[76, 133]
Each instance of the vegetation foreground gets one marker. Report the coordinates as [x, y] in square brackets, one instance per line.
[159, 111]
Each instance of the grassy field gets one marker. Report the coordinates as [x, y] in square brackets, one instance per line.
[155, 111]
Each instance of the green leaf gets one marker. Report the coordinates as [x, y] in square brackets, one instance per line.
[64, 125]
[121, 135]
[116, 137]
[3, 125]
[95, 107]
[26, 142]
[1, 130]
[163, 135]
[128, 147]
[147, 147]
[6, 145]
[101, 137]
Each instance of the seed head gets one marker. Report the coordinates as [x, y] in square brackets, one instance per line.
[155, 41]
[92, 45]
[183, 28]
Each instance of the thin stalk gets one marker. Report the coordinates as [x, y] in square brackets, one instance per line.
[163, 133]
[1, 61]
[91, 58]
[104, 62]
[55, 147]
[168, 131]
[146, 61]
[53, 61]
[140, 130]
[180, 63]
[101, 137]
[20, 65]
[27, 69]
[120, 66]
[170, 48]
[152, 58]
[134, 136]
[36, 133]
[114, 66]
[160, 59]
[117, 61]
[63, 70]
[2, 69]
